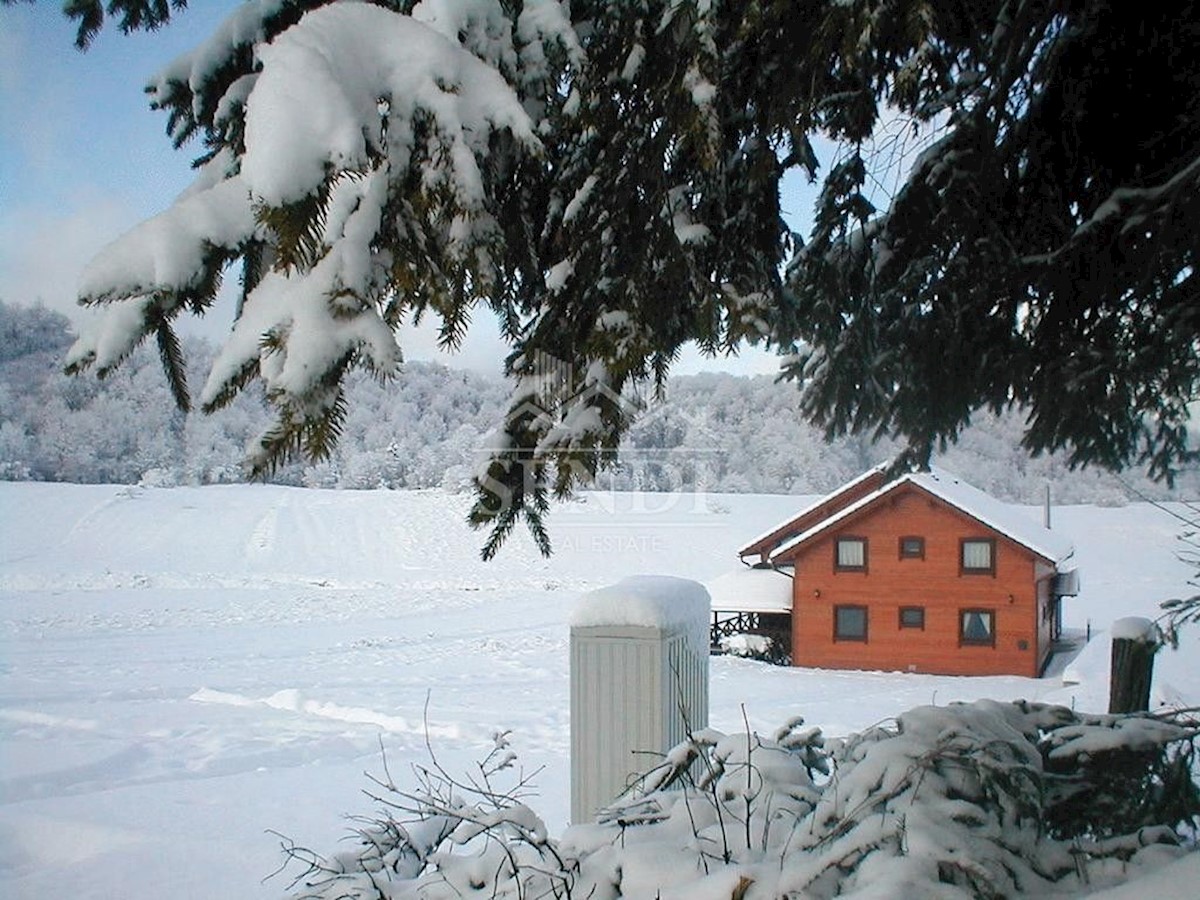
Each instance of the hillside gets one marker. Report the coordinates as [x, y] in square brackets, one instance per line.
[715, 432]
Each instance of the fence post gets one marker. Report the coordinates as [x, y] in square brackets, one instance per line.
[1134, 643]
[639, 682]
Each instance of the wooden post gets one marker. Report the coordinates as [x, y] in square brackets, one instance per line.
[1134, 643]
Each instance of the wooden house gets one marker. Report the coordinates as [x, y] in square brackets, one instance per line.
[921, 573]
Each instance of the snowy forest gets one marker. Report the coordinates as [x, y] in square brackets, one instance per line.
[714, 432]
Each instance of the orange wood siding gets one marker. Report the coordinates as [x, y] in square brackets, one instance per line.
[933, 582]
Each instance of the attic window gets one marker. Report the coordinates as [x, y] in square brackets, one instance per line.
[850, 554]
[978, 556]
[912, 547]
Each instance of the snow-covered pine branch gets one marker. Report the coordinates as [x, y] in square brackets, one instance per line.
[372, 162]
[360, 159]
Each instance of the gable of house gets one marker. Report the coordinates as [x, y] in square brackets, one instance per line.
[956, 493]
[830, 505]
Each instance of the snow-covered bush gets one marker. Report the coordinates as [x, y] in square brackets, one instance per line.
[1179, 612]
[985, 799]
[759, 647]
[752, 646]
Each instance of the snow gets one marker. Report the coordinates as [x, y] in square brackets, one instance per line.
[752, 590]
[1176, 880]
[1133, 734]
[111, 338]
[1014, 523]
[318, 332]
[690, 232]
[242, 27]
[647, 601]
[184, 670]
[702, 90]
[559, 274]
[542, 23]
[746, 644]
[1135, 628]
[167, 252]
[942, 802]
[483, 28]
[316, 103]
[633, 62]
[581, 198]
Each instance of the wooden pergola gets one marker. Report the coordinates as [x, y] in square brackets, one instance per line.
[753, 601]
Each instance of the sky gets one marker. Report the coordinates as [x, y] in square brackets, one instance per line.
[83, 159]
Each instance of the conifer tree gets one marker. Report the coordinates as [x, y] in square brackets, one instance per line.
[604, 178]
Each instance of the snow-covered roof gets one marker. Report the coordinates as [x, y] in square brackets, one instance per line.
[751, 590]
[997, 515]
[875, 470]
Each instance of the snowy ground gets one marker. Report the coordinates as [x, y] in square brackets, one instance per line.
[183, 671]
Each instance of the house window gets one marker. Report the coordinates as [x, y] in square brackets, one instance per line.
[850, 554]
[978, 556]
[912, 547]
[977, 626]
[912, 617]
[850, 623]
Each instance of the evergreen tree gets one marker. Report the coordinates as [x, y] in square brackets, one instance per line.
[1041, 253]
[604, 177]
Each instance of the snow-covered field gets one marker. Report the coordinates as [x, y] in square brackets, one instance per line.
[184, 671]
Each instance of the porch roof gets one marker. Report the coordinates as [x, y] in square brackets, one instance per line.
[752, 590]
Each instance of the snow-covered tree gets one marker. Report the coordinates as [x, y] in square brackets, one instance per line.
[604, 177]
[1041, 251]
[26, 330]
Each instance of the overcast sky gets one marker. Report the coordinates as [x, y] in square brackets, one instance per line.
[83, 158]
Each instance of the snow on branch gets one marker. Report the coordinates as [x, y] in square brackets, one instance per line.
[312, 317]
[969, 800]
[349, 83]
[245, 26]
[167, 252]
[352, 169]
[1125, 214]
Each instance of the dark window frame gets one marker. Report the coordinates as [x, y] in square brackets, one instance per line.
[837, 556]
[920, 551]
[963, 640]
[962, 551]
[866, 623]
[908, 625]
